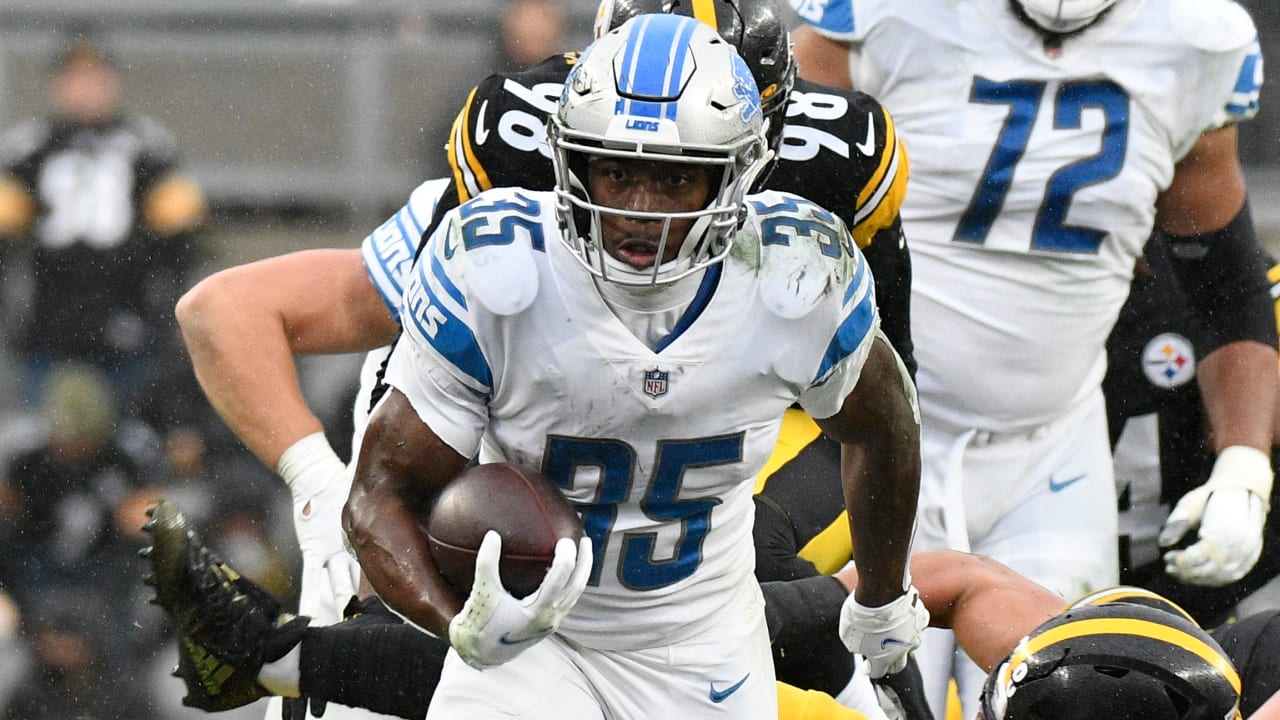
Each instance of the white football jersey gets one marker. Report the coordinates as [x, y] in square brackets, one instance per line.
[1034, 176]
[388, 254]
[510, 352]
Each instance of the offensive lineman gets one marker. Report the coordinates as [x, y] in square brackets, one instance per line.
[1049, 137]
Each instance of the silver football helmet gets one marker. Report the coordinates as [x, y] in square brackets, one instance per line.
[658, 88]
[1064, 16]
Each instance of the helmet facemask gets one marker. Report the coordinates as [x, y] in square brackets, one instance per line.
[654, 91]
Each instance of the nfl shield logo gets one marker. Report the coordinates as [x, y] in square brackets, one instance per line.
[655, 382]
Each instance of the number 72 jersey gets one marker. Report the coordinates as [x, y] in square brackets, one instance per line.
[1035, 174]
[1021, 148]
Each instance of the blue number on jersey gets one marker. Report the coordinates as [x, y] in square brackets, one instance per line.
[492, 222]
[1023, 98]
[782, 222]
[615, 460]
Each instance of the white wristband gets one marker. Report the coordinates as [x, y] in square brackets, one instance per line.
[1241, 466]
[304, 456]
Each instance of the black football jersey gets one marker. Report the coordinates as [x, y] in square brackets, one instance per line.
[1152, 357]
[1253, 645]
[839, 149]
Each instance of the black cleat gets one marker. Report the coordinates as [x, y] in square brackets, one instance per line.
[227, 626]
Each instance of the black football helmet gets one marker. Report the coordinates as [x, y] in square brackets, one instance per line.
[754, 27]
[1120, 661]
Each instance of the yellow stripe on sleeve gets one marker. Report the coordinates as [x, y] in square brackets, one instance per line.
[469, 175]
[881, 198]
[798, 430]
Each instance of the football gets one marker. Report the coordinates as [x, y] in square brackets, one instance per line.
[525, 508]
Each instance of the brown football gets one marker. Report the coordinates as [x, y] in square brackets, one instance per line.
[526, 509]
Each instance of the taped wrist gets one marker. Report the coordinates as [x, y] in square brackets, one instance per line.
[804, 630]
[349, 663]
[1226, 269]
[305, 455]
[1240, 466]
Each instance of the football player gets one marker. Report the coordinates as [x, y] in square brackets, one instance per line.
[1049, 138]
[374, 660]
[586, 331]
[1162, 445]
[242, 325]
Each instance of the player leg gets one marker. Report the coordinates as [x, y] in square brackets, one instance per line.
[227, 626]
[1061, 529]
[723, 672]
[371, 660]
[544, 682]
[939, 526]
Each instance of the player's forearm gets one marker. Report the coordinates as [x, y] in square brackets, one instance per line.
[402, 466]
[1239, 385]
[988, 606]
[243, 325]
[879, 433]
[243, 362]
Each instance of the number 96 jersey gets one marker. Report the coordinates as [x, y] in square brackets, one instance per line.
[510, 350]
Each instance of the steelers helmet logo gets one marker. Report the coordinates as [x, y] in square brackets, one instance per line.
[1169, 361]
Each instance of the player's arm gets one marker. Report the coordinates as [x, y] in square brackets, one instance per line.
[1219, 263]
[988, 606]
[403, 466]
[1205, 208]
[243, 325]
[821, 59]
[879, 434]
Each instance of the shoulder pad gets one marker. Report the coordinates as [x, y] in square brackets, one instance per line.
[1212, 25]
[805, 252]
[498, 263]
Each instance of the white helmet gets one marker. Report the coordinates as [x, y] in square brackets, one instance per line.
[659, 88]
[1064, 16]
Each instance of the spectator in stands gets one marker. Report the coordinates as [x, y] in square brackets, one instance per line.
[103, 221]
[530, 31]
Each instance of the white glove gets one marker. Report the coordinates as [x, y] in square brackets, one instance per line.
[320, 483]
[494, 626]
[884, 635]
[1230, 508]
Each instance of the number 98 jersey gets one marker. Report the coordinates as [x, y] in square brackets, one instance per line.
[839, 150]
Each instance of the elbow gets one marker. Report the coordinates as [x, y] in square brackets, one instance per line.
[200, 310]
[194, 305]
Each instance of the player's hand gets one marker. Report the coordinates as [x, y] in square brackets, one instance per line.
[1230, 508]
[320, 483]
[901, 694]
[884, 635]
[494, 626]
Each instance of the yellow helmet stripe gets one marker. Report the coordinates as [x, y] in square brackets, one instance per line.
[1122, 593]
[1124, 626]
[705, 11]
